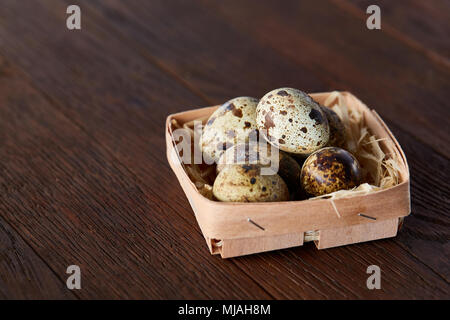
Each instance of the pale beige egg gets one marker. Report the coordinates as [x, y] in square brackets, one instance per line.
[230, 124]
[244, 183]
[264, 155]
[292, 121]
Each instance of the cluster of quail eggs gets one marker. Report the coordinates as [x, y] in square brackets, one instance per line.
[309, 138]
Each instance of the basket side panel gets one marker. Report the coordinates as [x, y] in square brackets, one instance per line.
[239, 247]
[357, 233]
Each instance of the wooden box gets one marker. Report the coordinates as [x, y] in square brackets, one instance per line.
[228, 231]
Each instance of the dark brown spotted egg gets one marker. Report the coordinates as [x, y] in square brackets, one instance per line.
[292, 121]
[263, 154]
[337, 129]
[328, 170]
[229, 124]
[244, 183]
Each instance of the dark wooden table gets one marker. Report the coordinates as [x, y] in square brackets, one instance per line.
[83, 172]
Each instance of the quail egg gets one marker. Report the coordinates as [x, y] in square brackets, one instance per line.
[244, 183]
[288, 168]
[292, 121]
[330, 169]
[230, 123]
[337, 129]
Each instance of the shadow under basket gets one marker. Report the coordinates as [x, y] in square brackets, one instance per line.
[228, 228]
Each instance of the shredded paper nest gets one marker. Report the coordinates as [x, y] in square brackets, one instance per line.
[380, 169]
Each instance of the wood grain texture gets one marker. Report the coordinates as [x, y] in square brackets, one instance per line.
[84, 175]
[24, 275]
[420, 24]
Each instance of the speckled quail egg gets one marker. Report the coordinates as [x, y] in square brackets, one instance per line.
[292, 121]
[288, 169]
[330, 169]
[244, 183]
[229, 124]
[337, 129]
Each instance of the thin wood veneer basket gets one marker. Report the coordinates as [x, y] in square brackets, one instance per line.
[228, 231]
